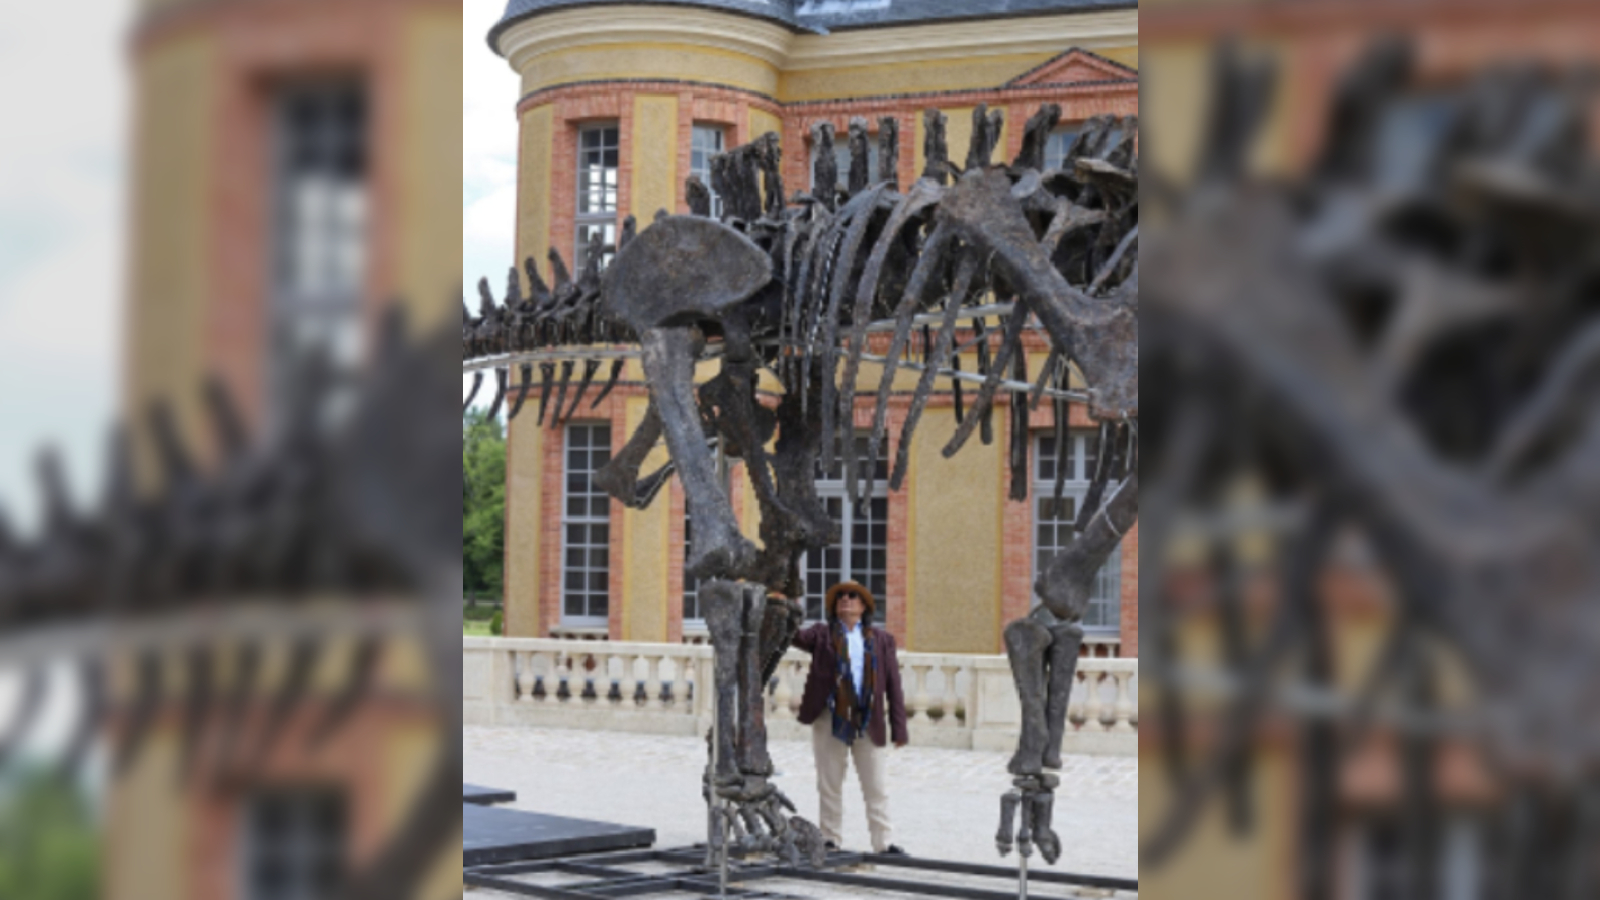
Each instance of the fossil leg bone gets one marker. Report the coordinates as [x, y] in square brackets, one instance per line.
[719, 549]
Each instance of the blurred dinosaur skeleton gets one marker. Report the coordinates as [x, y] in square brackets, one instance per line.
[220, 564]
[795, 289]
[1398, 347]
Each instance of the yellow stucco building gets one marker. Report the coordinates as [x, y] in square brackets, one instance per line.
[295, 170]
[620, 103]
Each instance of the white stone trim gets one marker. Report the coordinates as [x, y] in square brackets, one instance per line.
[952, 700]
[789, 52]
[597, 26]
[959, 40]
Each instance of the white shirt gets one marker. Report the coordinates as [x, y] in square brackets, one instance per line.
[857, 646]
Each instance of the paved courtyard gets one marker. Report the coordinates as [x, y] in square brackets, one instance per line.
[945, 803]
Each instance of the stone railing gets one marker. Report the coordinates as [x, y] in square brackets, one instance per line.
[952, 700]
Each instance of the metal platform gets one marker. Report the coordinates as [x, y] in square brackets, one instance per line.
[494, 835]
[682, 871]
[485, 796]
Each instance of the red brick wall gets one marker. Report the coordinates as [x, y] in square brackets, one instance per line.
[577, 105]
[215, 801]
[1078, 102]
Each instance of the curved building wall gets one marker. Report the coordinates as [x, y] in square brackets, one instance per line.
[202, 206]
[199, 301]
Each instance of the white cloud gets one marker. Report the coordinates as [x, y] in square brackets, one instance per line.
[63, 72]
[489, 149]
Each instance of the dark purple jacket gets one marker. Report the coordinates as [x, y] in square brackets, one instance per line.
[817, 640]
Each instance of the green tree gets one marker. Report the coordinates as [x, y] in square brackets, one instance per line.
[483, 513]
[49, 849]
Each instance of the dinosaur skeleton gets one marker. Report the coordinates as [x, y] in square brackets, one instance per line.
[795, 289]
[1399, 345]
[219, 563]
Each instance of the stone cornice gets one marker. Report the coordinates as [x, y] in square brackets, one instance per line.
[776, 45]
[588, 27]
[958, 40]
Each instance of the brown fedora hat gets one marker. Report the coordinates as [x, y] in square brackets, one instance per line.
[832, 601]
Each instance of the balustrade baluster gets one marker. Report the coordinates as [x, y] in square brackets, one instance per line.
[779, 708]
[917, 709]
[652, 682]
[539, 669]
[947, 697]
[596, 685]
[1075, 700]
[669, 685]
[563, 676]
[1093, 704]
[1124, 709]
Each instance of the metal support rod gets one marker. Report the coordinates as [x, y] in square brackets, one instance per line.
[1022, 875]
[976, 378]
[552, 354]
[712, 351]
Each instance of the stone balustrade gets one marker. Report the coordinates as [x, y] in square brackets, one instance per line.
[952, 700]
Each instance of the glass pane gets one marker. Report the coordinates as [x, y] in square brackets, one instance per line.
[1055, 152]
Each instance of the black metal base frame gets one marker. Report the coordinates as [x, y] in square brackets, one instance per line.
[605, 878]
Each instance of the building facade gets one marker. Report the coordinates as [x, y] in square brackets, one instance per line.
[620, 104]
[295, 171]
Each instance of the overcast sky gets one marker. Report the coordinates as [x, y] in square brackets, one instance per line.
[489, 160]
[63, 85]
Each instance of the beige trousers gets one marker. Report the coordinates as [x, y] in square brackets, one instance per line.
[872, 765]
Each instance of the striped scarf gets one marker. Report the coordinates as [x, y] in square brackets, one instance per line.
[849, 710]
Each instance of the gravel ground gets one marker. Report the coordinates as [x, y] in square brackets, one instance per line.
[945, 803]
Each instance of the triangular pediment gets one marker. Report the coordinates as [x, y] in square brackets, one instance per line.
[1075, 66]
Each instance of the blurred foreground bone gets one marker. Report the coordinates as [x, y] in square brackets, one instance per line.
[1399, 350]
[318, 536]
[795, 289]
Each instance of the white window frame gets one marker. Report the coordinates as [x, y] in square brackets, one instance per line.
[320, 232]
[608, 203]
[841, 159]
[587, 519]
[706, 139]
[691, 585]
[302, 850]
[1059, 142]
[831, 487]
[1079, 474]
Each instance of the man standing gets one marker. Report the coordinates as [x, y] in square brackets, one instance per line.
[854, 680]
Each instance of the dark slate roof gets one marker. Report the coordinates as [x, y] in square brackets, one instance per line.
[835, 15]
